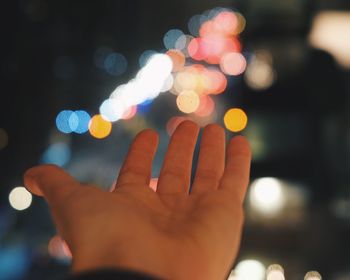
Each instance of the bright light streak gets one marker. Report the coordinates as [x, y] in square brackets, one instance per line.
[112, 110]
[250, 270]
[99, 127]
[330, 32]
[4, 138]
[187, 101]
[171, 37]
[260, 74]
[57, 153]
[275, 272]
[313, 275]
[233, 63]
[144, 57]
[266, 196]
[235, 119]
[130, 113]
[20, 199]
[168, 84]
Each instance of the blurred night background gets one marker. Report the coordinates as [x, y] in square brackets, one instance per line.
[71, 68]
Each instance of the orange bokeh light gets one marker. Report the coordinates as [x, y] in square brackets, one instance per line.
[187, 101]
[235, 119]
[178, 59]
[99, 127]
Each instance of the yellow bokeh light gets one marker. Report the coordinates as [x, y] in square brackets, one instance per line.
[188, 101]
[235, 119]
[99, 127]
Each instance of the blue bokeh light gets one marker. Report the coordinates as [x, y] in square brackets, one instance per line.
[115, 64]
[62, 121]
[171, 37]
[83, 121]
[57, 153]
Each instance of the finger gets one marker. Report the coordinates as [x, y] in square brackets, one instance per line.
[50, 181]
[237, 169]
[137, 167]
[211, 160]
[175, 174]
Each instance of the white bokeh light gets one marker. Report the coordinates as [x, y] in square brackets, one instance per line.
[20, 198]
[275, 272]
[266, 195]
[312, 275]
[250, 270]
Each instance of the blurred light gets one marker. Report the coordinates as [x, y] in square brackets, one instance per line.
[81, 121]
[187, 101]
[173, 123]
[266, 196]
[99, 127]
[178, 59]
[206, 106]
[195, 49]
[182, 44]
[4, 138]
[20, 198]
[312, 275]
[235, 119]
[64, 68]
[275, 272]
[171, 37]
[112, 110]
[62, 121]
[100, 56]
[233, 63]
[232, 276]
[330, 32]
[153, 184]
[260, 74]
[194, 24]
[217, 81]
[58, 248]
[226, 22]
[129, 113]
[250, 270]
[145, 106]
[115, 64]
[145, 56]
[57, 153]
[14, 261]
[168, 84]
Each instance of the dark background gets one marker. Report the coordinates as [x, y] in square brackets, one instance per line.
[299, 127]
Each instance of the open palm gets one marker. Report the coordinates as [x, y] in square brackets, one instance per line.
[171, 233]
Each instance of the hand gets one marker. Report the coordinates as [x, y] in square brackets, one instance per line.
[171, 233]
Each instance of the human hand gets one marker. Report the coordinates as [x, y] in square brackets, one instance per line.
[170, 233]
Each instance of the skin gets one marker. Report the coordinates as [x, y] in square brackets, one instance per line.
[170, 233]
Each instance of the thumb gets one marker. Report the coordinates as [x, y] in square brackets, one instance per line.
[50, 181]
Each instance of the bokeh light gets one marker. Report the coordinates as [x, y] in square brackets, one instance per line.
[57, 153]
[178, 59]
[232, 276]
[112, 110]
[129, 113]
[233, 63]
[266, 196]
[81, 121]
[206, 106]
[4, 138]
[58, 248]
[313, 275]
[235, 119]
[99, 127]
[144, 57]
[115, 64]
[187, 101]
[171, 37]
[20, 199]
[62, 121]
[275, 272]
[250, 270]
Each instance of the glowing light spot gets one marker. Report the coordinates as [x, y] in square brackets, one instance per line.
[153, 184]
[313, 275]
[178, 59]
[4, 138]
[57, 153]
[130, 113]
[82, 121]
[195, 49]
[182, 44]
[168, 84]
[171, 37]
[194, 24]
[115, 64]
[185, 81]
[226, 22]
[112, 110]
[144, 57]
[260, 74]
[241, 23]
[20, 199]
[62, 121]
[173, 123]
[235, 119]
[58, 248]
[233, 63]
[266, 196]
[187, 101]
[206, 106]
[275, 272]
[99, 127]
[216, 82]
[250, 270]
